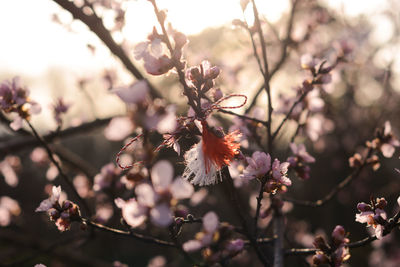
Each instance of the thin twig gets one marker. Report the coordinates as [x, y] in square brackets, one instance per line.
[25, 142]
[228, 182]
[283, 56]
[60, 170]
[143, 238]
[336, 189]
[265, 73]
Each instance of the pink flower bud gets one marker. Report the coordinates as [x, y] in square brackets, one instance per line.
[363, 207]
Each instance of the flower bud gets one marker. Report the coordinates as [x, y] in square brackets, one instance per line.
[320, 243]
[363, 207]
[381, 203]
[66, 204]
[319, 259]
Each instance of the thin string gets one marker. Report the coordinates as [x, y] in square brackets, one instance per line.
[207, 112]
[126, 167]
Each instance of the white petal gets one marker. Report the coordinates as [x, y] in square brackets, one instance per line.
[118, 128]
[210, 222]
[146, 195]
[192, 245]
[387, 150]
[45, 205]
[161, 175]
[133, 213]
[161, 215]
[181, 189]
[136, 93]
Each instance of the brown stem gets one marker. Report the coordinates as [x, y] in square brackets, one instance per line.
[143, 238]
[60, 170]
[19, 143]
[336, 189]
[230, 189]
[283, 57]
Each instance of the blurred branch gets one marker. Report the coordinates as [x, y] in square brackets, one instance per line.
[336, 189]
[96, 25]
[66, 255]
[283, 56]
[231, 191]
[19, 143]
[265, 73]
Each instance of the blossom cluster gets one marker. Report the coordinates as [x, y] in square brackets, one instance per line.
[334, 253]
[63, 214]
[276, 173]
[14, 98]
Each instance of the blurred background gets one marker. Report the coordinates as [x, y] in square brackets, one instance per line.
[56, 56]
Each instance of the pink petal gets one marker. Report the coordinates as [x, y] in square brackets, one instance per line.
[181, 189]
[118, 129]
[133, 213]
[134, 94]
[210, 222]
[387, 150]
[161, 215]
[146, 195]
[192, 245]
[161, 175]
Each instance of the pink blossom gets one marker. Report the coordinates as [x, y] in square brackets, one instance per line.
[259, 165]
[373, 216]
[108, 174]
[158, 261]
[8, 208]
[8, 168]
[133, 213]
[118, 128]
[210, 226]
[134, 94]
[59, 108]
[52, 201]
[154, 201]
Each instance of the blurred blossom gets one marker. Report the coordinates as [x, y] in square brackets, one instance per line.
[118, 128]
[59, 108]
[299, 160]
[108, 175]
[82, 185]
[210, 225]
[52, 172]
[134, 94]
[8, 168]
[385, 141]
[318, 125]
[155, 202]
[14, 98]
[40, 156]
[8, 208]
[198, 197]
[157, 261]
[62, 213]
[119, 264]
[104, 212]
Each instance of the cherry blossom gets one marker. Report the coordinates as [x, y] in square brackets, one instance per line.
[155, 202]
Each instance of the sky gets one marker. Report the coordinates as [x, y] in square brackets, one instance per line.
[31, 43]
[33, 46]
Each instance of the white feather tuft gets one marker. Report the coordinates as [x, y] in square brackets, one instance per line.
[195, 171]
